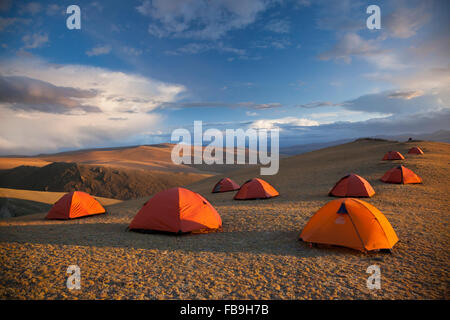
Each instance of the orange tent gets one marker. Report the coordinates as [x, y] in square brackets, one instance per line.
[350, 223]
[352, 185]
[256, 189]
[75, 204]
[393, 155]
[176, 210]
[415, 150]
[401, 175]
[225, 185]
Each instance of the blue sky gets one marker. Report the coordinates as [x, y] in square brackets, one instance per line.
[139, 69]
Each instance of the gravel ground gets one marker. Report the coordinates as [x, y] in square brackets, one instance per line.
[258, 254]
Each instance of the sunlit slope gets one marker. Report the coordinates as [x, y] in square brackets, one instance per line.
[156, 157]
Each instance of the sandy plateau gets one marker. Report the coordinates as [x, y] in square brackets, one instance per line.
[258, 254]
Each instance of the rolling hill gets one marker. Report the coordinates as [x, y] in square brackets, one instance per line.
[155, 157]
[151, 157]
[118, 183]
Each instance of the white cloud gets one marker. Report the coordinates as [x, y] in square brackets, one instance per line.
[278, 26]
[407, 20]
[196, 48]
[428, 78]
[35, 40]
[118, 90]
[132, 51]
[43, 132]
[220, 104]
[200, 19]
[283, 123]
[118, 95]
[5, 23]
[99, 50]
[270, 42]
[55, 9]
[30, 8]
[341, 16]
[318, 104]
[351, 45]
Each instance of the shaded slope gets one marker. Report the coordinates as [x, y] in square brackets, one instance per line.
[107, 182]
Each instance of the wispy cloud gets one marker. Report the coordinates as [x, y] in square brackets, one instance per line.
[407, 95]
[35, 40]
[218, 104]
[6, 23]
[32, 8]
[271, 42]
[99, 50]
[351, 45]
[55, 9]
[319, 104]
[199, 19]
[406, 20]
[278, 26]
[132, 51]
[348, 46]
[200, 47]
[341, 16]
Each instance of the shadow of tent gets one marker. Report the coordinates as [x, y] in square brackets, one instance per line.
[11, 207]
[116, 235]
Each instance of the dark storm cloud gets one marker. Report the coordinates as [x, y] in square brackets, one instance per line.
[35, 95]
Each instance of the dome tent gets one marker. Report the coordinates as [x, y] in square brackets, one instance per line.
[415, 150]
[256, 189]
[75, 204]
[225, 185]
[401, 175]
[176, 210]
[351, 223]
[393, 155]
[352, 185]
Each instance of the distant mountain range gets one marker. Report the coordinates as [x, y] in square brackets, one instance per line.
[133, 172]
[438, 136]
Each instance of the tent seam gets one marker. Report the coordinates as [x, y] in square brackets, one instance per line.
[357, 232]
[384, 232]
